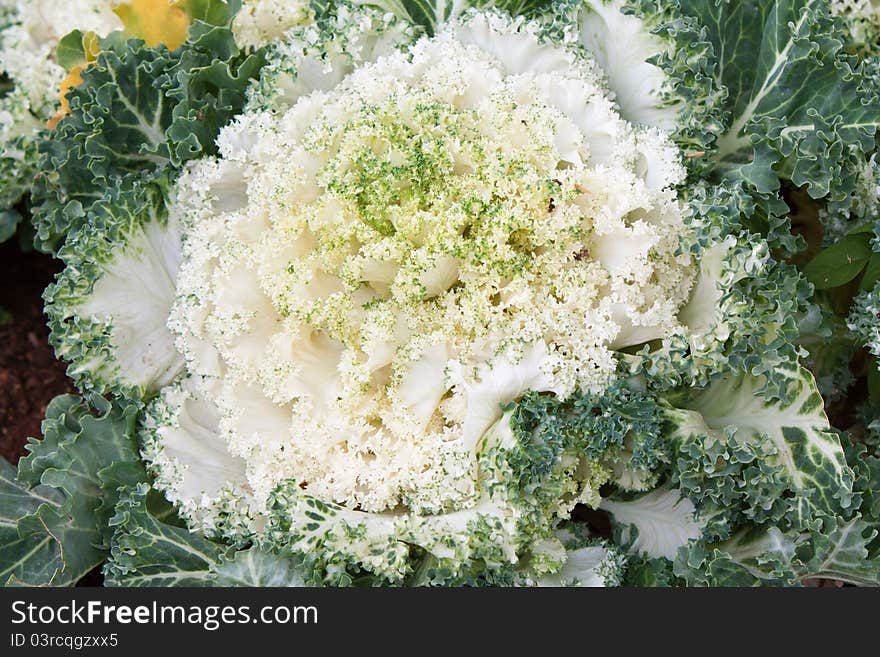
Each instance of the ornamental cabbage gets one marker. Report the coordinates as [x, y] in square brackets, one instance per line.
[390, 292]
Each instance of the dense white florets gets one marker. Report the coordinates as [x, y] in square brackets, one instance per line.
[259, 22]
[372, 273]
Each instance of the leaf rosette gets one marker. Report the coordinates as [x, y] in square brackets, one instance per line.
[445, 278]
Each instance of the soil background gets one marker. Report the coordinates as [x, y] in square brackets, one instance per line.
[30, 376]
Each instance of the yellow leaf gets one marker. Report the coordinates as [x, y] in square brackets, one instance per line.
[155, 21]
[91, 47]
[73, 79]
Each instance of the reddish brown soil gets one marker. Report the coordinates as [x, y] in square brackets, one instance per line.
[29, 374]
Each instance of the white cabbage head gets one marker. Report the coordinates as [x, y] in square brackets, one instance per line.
[372, 271]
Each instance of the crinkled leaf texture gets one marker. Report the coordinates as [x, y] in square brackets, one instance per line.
[741, 316]
[800, 108]
[863, 319]
[743, 456]
[658, 63]
[759, 490]
[789, 497]
[656, 524]
[139, 112]
[55, 512]
[81, 495]
[655, 58]
[147, 550]
[109, 308]
[755, 487]
[17, 171]
[757, 556]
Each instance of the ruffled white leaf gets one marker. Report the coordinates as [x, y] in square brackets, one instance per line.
[134, 297]
[187, 450]
[591, 567]
[496, 384]
[622, 45]
[424, 384]
[664, 520]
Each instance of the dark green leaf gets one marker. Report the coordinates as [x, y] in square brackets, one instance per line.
[874, 379]
[214, 12]
[138, 113]
[864, 228]
[9, 220]
[801, 109]
[26, 555]
[55, 515]
[148, 552]
[839, 263]
[872, 273]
